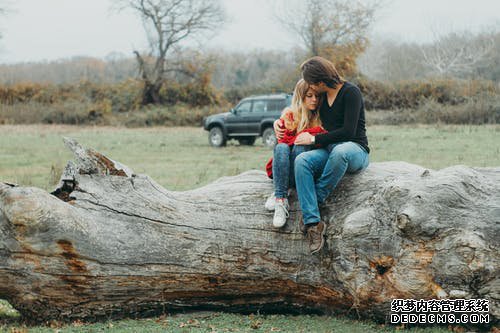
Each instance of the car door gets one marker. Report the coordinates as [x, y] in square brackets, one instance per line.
[259, 112]
[236, 121]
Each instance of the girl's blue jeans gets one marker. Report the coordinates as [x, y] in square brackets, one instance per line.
[318, 171]
[283, 167]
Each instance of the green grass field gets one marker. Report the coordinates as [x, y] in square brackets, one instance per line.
[180, 159]
[224, 322]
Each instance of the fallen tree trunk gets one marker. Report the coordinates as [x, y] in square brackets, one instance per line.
[111, 243]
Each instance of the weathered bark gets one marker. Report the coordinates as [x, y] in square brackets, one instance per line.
[109, 242]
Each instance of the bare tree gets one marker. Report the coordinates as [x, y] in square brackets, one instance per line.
[489, 67]
[167, 24]
[324, 24]
[457, 53]
[391, 60]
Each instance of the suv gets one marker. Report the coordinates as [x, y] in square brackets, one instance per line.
[252, 117]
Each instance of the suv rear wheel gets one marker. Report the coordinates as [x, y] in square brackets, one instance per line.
[247, 141]
[216, 137]
[268, 137]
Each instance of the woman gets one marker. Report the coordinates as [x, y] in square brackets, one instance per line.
[301, 117]
[344, 147]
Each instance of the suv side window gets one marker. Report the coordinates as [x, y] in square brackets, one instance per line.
[259, 106]
[244, 106]
[276, 105]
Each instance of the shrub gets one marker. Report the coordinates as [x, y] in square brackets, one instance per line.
[118, 97]
[449, 101]
[193, 93]
[175, 115]
[74, 113]
[478, 110]
[411, 94]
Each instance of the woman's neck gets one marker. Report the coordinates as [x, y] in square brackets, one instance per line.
[331, 93]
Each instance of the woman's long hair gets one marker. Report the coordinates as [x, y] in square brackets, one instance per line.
[318, 69]
[303, 118]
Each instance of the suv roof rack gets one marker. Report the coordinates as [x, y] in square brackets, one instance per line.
[276, 95]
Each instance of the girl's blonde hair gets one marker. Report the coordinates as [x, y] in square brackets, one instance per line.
[303, 118]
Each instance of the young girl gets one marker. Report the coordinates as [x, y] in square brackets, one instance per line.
[302, 116]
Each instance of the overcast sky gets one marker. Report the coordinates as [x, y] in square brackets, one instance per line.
[37, 30]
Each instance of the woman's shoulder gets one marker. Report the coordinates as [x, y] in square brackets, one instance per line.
[350, 86]
[350, 89]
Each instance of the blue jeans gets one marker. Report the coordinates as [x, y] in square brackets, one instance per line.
[318, 172]
[283, 162]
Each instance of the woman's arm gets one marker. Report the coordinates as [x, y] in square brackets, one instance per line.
[278, 130]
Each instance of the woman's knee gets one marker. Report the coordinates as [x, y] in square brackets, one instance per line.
[301, 162]
[339, 153]
[297, 150]
[350, 154]
[281, 147]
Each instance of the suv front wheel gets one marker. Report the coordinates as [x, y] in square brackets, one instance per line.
[216, 137]
[268, 137]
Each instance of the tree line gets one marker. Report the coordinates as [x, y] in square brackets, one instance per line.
[169, 72]
[340, 34]
[384, 60]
